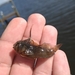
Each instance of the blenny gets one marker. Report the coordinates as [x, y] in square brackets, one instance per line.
[31, 49]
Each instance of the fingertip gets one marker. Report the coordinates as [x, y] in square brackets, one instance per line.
[18, 19]
[37, 16]
[49, 35]
[15, 28]
[15, 21]
[53, 31]
[60, 63]
[35, 24]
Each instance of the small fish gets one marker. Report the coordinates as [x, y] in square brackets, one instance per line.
[31, 49]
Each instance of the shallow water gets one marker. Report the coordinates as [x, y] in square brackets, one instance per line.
[60, 14]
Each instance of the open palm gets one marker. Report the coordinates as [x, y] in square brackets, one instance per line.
[13, 64]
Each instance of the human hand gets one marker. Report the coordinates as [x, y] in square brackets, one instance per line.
[13, 64]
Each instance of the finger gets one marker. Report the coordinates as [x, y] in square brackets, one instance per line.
[60, 64]
[6, 56]
[21, 65]
[44, 66]
[49, 35]
[14, 30]
[6, 43]
[36, 23]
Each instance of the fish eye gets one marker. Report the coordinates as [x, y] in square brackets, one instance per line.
[20, 44]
